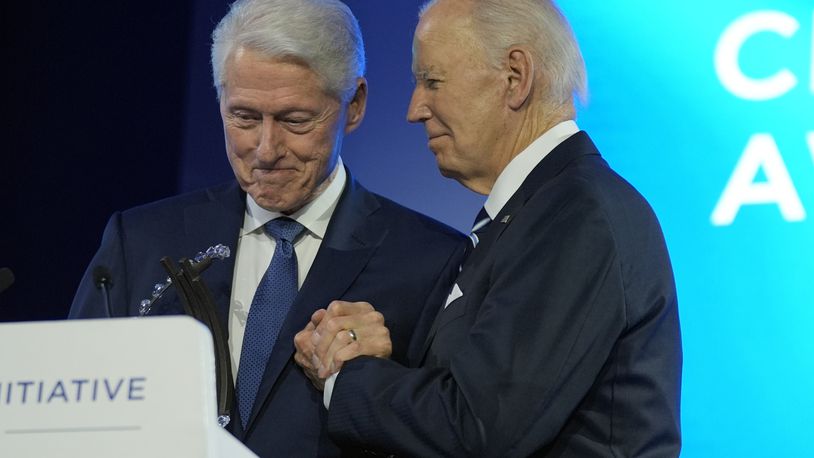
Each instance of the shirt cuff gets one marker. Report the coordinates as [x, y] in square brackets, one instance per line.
[328, 390]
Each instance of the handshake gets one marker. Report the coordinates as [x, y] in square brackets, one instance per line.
[338, 334]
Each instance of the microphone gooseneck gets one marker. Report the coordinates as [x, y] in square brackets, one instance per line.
[104, 281]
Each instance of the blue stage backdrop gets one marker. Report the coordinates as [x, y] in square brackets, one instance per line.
[706, 107]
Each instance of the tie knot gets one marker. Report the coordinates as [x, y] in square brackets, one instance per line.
[481, 221]
[284, 229]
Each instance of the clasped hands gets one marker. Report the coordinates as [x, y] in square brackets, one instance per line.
[338, 334]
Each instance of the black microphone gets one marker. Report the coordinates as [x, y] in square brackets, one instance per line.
[6, 278]
[104, 281]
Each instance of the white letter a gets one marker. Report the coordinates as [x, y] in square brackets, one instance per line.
[761, 151]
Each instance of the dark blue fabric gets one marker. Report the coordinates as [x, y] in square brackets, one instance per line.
[272, 300]
[565, 341]
[374, 250]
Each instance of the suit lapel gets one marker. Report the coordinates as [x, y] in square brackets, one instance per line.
[352, 238]
[552, 165]
[226, 205]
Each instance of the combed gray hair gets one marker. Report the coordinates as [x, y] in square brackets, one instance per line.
[539, 24]
[320, 34]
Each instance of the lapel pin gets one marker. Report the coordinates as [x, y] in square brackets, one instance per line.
[506, 219]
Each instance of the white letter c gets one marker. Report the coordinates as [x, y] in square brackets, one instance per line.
[728, 51]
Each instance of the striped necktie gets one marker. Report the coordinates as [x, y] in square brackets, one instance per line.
[481, 223]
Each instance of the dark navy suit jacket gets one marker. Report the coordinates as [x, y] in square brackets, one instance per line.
[374, 250]
[565, 341]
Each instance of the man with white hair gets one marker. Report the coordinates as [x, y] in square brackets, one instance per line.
[290, 81]
[560, 336]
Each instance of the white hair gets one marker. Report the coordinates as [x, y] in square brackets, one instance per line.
[539, 24]
[320, 34]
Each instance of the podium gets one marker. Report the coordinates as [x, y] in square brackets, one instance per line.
[128, 387]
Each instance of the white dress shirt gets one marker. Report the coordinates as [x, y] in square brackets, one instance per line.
[507, 183]
[510, 179]
[255, 249]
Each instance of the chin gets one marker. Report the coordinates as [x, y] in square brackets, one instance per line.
[446, 173]
[451, 173]
[268, 204]
[282, 204]
[268, 200]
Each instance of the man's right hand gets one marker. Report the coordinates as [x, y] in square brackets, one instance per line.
[326, 343]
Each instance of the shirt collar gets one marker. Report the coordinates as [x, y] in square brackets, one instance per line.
[510, 179]
[314, 216]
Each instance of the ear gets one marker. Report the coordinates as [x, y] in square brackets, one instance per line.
[357, 105]
[521, 77]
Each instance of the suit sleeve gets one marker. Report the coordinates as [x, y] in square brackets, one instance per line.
[89, 300]
[554, 308]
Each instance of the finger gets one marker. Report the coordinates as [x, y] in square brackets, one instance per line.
[376, 342]
[349, 314]
[336, 309]
[373, 336]
[317, 316]
[370, 324]
[303, 361]
[302, 339]
[381, 343]
[347, 353]
[309, 372]
[330, 330]
[329, 366]
[326, 366]
[316, 319]
[339, 316]
[344, 308]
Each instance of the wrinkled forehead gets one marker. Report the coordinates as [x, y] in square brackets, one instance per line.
[444, 17]
[243, 54]
[246, 60]
[442, 31]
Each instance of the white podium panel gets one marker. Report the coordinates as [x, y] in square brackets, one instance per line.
[129, 387]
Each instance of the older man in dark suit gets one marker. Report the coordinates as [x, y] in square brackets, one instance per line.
[290, 81]
[560, 336]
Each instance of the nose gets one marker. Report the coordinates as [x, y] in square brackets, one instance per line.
[418, 111]
[268, 147]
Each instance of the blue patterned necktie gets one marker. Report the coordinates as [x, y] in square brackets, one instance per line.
[272, 300]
